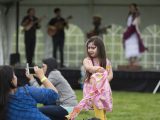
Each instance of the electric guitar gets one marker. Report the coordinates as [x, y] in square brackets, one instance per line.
[53, 29]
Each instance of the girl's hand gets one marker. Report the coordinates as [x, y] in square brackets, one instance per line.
[100, 69]
[68, 117]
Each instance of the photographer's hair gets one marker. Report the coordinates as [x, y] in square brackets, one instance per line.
[51, 65]
[6, 77]
[101, 53]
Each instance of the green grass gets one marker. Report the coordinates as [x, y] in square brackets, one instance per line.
[129, 106]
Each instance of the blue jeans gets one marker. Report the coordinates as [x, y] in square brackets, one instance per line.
[54, 112]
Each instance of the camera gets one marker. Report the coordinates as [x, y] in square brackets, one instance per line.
[30, 70]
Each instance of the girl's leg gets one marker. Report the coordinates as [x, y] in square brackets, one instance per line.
[99, 113]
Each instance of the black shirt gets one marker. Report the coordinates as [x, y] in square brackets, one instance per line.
[35, 23]
[59, 23]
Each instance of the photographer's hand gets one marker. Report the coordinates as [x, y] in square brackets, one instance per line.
[29, 76]
[39, 72]
[44, 66]
[44, 80]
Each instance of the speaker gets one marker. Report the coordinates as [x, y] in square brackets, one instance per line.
[14, 58]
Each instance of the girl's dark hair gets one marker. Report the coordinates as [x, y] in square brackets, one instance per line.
[101, 53]
[6, 76]
[136, 12]
[51, 64]
[135, 5]
[94, 118]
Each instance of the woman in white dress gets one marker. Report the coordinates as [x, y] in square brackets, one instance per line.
[132, 41]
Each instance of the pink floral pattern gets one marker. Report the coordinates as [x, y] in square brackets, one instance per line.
[96, 92]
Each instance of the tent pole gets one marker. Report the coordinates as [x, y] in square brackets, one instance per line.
[17, 27]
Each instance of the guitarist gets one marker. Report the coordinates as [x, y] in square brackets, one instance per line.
[30, 24]
[97, 30]
[58, 38]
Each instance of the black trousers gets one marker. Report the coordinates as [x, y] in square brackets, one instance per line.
[58, 43]
[54, 112]
[30, 43]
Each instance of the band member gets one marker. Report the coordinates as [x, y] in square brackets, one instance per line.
[56, 29]
[132, 41]
[30, 24]
[97, 30]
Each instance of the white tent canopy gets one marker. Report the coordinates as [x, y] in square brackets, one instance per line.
[113, 11]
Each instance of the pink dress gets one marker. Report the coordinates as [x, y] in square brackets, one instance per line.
[96, 92]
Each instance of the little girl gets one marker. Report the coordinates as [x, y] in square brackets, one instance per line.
[97, 93]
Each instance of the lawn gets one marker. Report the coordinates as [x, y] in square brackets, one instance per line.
[129, 106]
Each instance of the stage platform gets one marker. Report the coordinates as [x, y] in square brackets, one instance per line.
[123, 80]
[140, 81]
